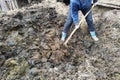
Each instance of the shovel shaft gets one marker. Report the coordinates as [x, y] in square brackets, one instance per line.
[78, 25]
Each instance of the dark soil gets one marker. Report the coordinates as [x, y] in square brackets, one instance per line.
[30, 46]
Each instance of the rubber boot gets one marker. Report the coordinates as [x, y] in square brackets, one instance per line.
[93, 35]
[63, 36]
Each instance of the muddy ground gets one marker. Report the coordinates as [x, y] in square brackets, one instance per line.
[30, 46]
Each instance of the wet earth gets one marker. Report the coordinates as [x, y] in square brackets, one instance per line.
[30, 46]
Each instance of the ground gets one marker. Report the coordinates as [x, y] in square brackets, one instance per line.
[30, 46]
[117, 2]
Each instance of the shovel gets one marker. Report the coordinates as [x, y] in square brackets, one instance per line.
[65, 43]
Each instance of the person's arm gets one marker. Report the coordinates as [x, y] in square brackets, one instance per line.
[74, 12]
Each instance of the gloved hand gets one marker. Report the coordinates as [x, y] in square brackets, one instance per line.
[77, 26]
[94, 1]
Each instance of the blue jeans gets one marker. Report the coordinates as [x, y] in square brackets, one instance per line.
[89, 21]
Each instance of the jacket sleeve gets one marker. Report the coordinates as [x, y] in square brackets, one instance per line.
[74, 12]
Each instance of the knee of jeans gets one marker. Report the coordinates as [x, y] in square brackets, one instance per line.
[69, 21]
[89, 20]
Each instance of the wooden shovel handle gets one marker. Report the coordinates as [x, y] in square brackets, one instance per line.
[65, 43]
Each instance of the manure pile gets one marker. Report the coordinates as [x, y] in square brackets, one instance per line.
[30, 46]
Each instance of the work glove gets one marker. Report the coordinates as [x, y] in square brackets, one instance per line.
[94, 1]
[77, 26]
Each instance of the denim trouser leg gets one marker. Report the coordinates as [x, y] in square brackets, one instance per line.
[68, 23]
[89, 19]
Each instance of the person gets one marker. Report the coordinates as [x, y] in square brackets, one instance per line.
[75, 6]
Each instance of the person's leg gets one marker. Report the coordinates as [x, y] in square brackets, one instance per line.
[89, 21]
[68, 23]
[67, 26]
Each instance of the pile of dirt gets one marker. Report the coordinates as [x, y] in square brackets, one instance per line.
[30, 46]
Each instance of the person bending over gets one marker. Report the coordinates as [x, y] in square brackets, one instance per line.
[75, 6]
